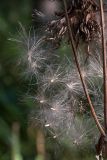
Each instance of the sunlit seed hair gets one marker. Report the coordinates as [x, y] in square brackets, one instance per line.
[60, 102]
[53, 75]
[34, 54]
[82, 131]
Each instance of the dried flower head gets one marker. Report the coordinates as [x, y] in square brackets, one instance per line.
[82, 15]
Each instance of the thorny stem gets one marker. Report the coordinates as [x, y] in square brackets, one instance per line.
[104, 63]
[80, 73]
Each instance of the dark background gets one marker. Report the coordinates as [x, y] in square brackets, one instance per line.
[13, 110]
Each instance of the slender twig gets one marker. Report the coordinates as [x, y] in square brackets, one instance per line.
[94, 1]
[104, 63]
[80, 73]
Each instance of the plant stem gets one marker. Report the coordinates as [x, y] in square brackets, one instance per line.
[72, 43]
[104, 63]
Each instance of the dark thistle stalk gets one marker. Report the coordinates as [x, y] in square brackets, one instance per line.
[104, 63]
[72, 43]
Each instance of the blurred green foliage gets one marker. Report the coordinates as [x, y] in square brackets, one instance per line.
[12, 109]
[15, 146]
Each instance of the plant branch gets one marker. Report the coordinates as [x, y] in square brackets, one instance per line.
[104, 62]
[72, 43]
